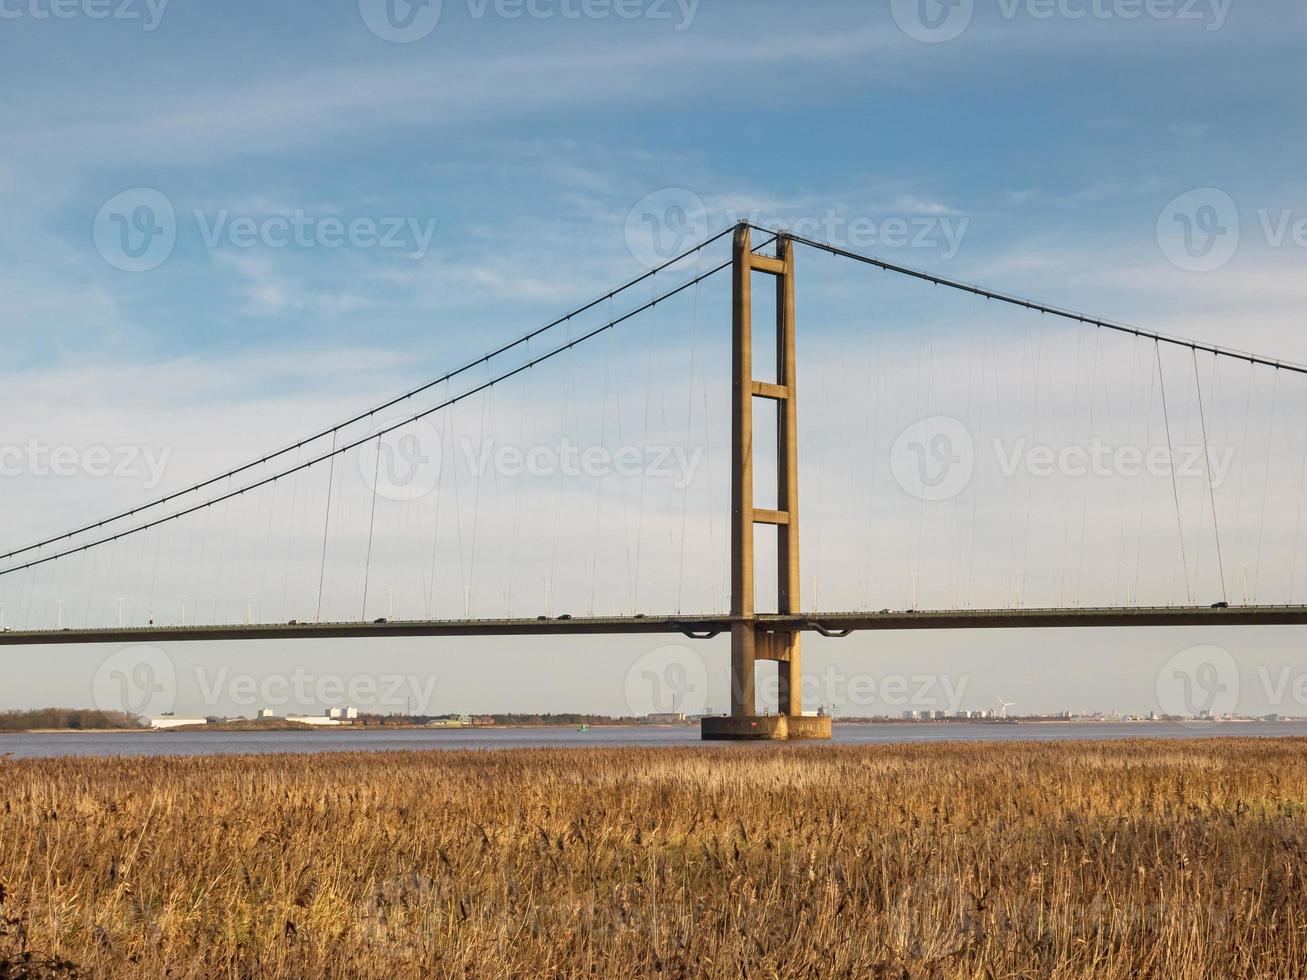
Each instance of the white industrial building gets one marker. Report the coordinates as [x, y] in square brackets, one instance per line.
[329, 718]
[172, 721]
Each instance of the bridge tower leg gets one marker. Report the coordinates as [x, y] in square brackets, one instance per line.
[749, 640]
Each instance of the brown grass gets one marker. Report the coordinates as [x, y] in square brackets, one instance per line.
[1013, 860]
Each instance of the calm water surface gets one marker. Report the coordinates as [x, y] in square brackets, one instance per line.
[219, 743]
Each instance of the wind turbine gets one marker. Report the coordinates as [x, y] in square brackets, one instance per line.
[1005, 705]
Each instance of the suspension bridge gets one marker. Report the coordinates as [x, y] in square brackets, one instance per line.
[326, 526]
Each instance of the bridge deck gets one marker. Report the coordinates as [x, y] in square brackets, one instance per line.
[702, 626]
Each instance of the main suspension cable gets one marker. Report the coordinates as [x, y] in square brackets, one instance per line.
[485, 358]
[453, 400]
[1038, 307]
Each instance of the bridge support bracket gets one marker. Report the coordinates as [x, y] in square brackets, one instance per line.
[828, 633]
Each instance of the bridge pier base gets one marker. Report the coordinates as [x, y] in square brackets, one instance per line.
[764, 728]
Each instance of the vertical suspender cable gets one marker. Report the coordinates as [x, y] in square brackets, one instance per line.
[644, 448]
[1211, 492]
[326, 525]
[689, 422]
[372, 522]
[1084, 501]
[517, 484]
[486, 396]
[1175, 490]
[1302, 498]
[1266, 483]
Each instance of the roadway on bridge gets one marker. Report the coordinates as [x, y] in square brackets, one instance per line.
[698, 627]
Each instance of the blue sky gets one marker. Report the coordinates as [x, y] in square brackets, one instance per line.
[1061, 139]
[514, 150]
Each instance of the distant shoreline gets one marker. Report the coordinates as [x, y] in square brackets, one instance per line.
[77, 731]
[300, 728]
[249, 726]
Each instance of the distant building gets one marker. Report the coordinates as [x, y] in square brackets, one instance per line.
[665, 717]
[172, 721]
[343, 714]
[912, 716]
[266, 713]
[320, 720]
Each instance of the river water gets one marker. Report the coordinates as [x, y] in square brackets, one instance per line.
[373, 740]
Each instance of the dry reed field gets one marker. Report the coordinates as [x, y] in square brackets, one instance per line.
[1139, 859]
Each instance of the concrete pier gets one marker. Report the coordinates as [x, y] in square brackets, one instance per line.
[764, 728]
[750, 641]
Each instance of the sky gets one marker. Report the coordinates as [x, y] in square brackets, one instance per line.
[229, 225]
